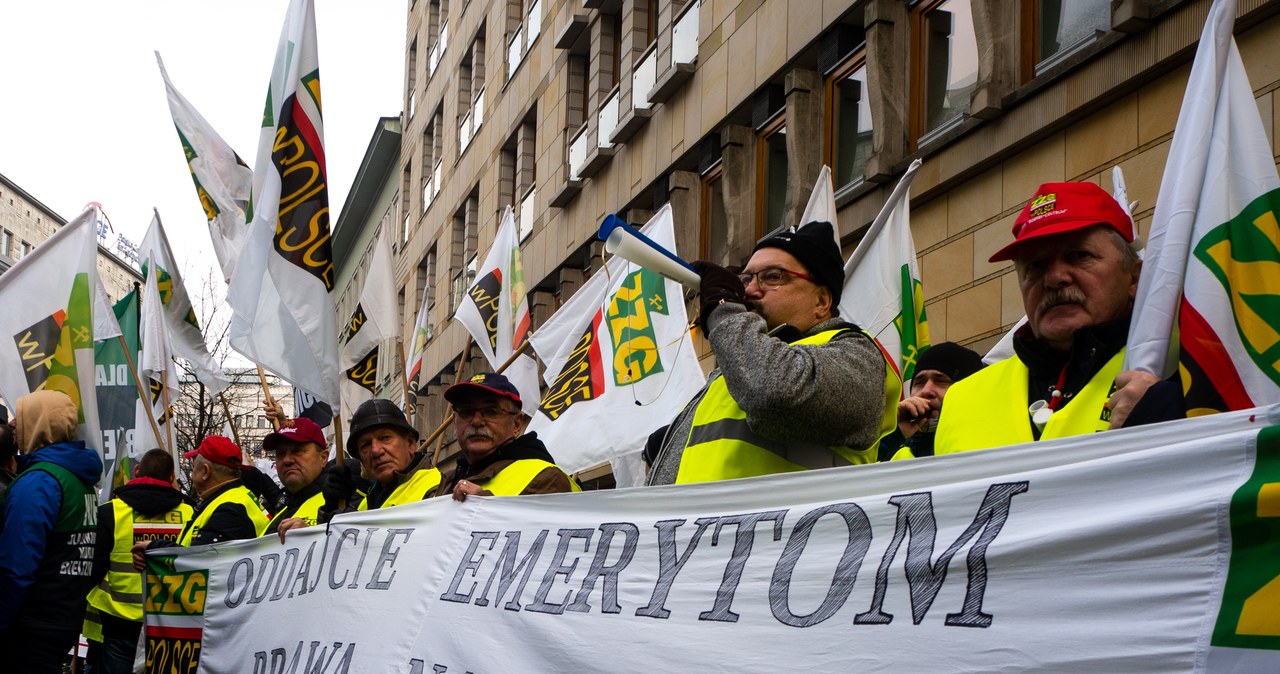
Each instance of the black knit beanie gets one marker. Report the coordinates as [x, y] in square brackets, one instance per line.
[950, 359]
[814, 245]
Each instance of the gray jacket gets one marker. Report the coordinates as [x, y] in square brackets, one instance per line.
[828, 394]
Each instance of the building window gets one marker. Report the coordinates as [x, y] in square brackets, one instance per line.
[6, 243]
[848, 121]
[26, 248]
[464, 249]
[471, 92]
[425, 289]
[411, 78]
[432, 158]
[406, 189]
[524, 24]
[715, 221]
[518, 175]
[438, 28]
[771, 168]
[1061, 27]
[946, 64]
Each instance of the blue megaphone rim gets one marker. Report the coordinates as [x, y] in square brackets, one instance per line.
[612, 222]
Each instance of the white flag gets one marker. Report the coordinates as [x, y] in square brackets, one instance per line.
[822, 204]
[418, 342]
[360, 381]
[156, 369]
[281, 293]
[105, 325]
[495, 311]
[374, 318]
[47, 324]
[1214, 247]
[222, 180]
[620, 361]
[186, 340]
[882, 291]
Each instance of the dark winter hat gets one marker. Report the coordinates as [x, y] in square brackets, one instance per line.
[950, 359]
[1058, 208]
[489, 382]
[814, 245]
[376, 413]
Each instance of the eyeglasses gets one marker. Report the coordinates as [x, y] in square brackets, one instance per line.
[771, 278]
[486, 413]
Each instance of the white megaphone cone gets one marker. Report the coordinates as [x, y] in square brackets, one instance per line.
[622, 240]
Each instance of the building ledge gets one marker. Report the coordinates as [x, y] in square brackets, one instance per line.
[670, 81]
[630, 123]
[568, 36]
[566, 193]
[597, 157]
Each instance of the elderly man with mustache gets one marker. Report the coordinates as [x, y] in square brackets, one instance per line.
[1078, 272]
[498, 458]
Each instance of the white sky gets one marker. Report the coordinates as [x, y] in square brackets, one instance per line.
[83, 114]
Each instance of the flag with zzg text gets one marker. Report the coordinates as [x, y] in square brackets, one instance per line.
[882, 289]
[1212, 266]
[1139, 550]
[495, 311]
[620, 361]
[47, 324]
[281, 293]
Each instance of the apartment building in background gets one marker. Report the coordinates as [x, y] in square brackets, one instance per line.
[569, 110]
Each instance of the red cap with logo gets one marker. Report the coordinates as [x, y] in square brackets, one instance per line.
[302, 431]
[1058, 208]
[217, 449]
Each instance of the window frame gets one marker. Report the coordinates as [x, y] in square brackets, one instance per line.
[855, 60]
[775, 125]
[918, 71]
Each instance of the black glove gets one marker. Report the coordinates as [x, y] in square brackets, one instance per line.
[719, 285]
[340, 483]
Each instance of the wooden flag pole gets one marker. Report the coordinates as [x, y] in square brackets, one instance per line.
[144, 395]
[168, 409]
[337, 435]
[266, 394]
[404, 378]
[226, 409]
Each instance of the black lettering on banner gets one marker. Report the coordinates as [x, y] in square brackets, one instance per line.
[299, 583]
[607, 572]
[387, 557]
[669, 563]
[319, 659]
[743, 540]
[924, 580]
[558, 568]
[333, 566]
[302, 224]
[243, 564]
[485, 294]
[265, 576]
[846, 572]
[507, 568]
[472, 564]
[284, 575]
[577, 381]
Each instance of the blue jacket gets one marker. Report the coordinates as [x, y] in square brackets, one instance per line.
[28, 515]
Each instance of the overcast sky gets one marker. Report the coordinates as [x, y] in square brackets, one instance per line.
[83, 114]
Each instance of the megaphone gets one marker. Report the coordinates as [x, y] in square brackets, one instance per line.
[626, 242]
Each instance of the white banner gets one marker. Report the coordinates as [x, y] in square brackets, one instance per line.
[1142, 550]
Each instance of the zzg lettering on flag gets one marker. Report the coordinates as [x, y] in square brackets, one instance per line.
[620, 361]
[1046, 556]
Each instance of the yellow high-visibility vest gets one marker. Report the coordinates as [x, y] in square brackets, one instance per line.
[412, 489]
[239, 494]
[308, 512]
[515, 478]
[989, 408]
[120, 592]
[721, 446]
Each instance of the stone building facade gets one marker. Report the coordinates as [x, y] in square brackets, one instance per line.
[573, 109]
[25, 222]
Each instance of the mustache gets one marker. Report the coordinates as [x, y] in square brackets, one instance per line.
[1059, 296]
[473, 432]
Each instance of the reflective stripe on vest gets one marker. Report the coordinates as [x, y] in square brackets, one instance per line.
[515, 478]
[721, 446]
[412, 489]
[989, 408]
[241, 495]
[308, 512]
[120, 592]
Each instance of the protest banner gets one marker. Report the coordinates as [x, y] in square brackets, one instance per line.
[1141, 550]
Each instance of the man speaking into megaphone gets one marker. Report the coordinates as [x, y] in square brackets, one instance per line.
[796, 387]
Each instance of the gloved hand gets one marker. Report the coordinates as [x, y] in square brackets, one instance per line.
[719, 285]
[340, 484]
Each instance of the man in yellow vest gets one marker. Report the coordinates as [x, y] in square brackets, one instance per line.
[939, 367]
[796, 387]
[228, 511]
[498, 459]
[1078, 272]
[148, 508]
[301, 452]
[386, 444]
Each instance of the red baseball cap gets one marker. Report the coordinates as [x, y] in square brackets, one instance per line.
[217, 449]
[302, 431]
[1058, 208]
